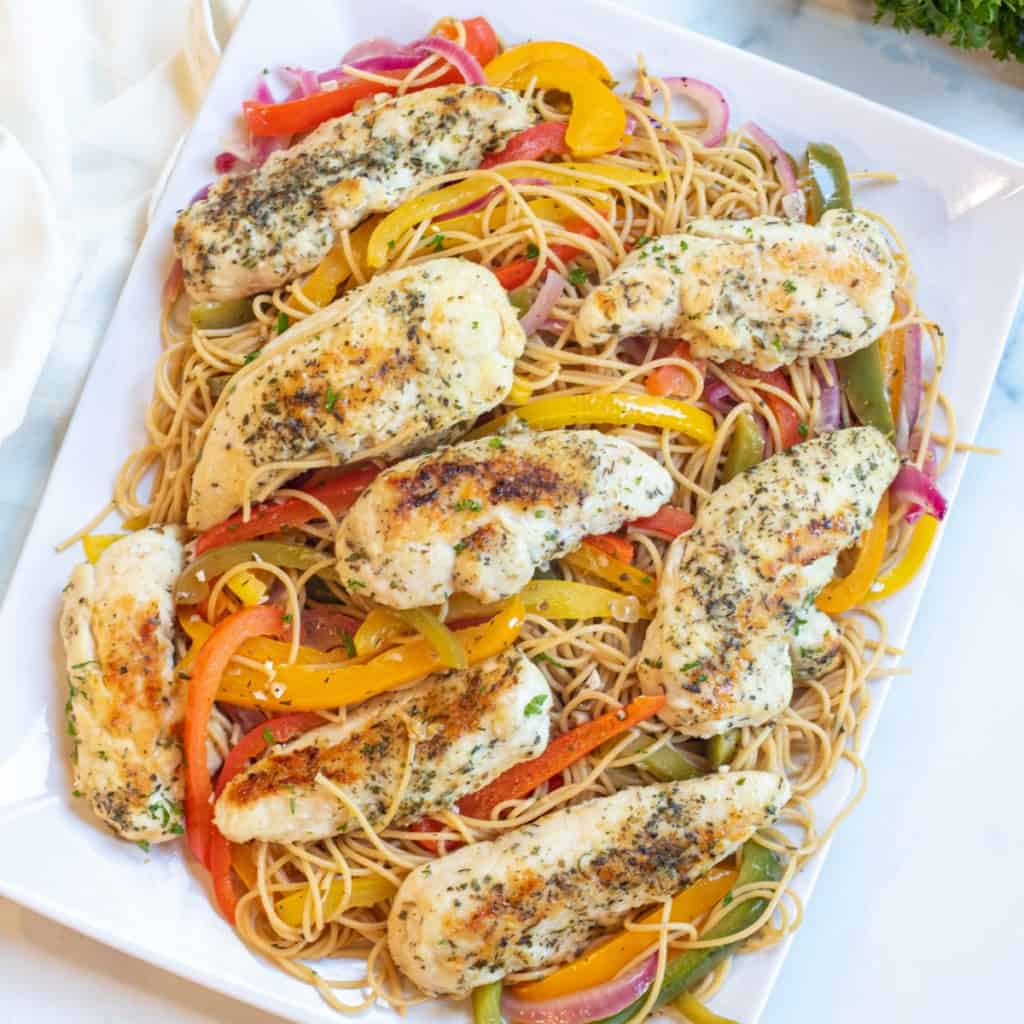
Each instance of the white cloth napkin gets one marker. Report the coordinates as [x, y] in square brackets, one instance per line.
[95, 96]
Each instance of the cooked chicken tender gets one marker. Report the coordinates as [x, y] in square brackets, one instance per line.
[737, 591]
[391, 366]
[479, 517]
[762, 291]
[540, 894]
[462, 729]
[258, 230]
[125, 709]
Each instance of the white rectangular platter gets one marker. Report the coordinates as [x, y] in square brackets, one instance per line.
[956, 207]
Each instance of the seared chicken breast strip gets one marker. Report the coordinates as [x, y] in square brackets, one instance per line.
[762, 291]
[462, 729]
[391, 366]
[737, 591]
[540, 894]
[480, 516]
[258, 230]
[125, 708]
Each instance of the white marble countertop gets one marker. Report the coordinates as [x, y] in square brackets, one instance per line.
[916, 917]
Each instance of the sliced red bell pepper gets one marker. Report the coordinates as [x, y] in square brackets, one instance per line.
[565, 750]
[293, 117]
[668, 522]
[271, 516]
[228, 635]
[790, 431]
[252, 744]
[517, 273]
[547, 139]
[611, 544]
[673, 380]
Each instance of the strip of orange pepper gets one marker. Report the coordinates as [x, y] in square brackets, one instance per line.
[318, 687]
[212, 660]
[623, 576]
[853, 589]
[515, 58]
[565, 750]
[603, 962]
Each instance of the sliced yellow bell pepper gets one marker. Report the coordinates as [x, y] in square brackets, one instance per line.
[444, 200]
[553, 411]
[904, 571]
[603, 962]
[308, 687]
[557, 599]
[851, 590]
[94, 544]
[627, 578]
[377, 631]
[366, 891]
[437, 634]
[519, 393]
[597, 122]
[139, 522]
[473, 223]
[247, 587]
[334, 269]
[507, 64]
[261, 649]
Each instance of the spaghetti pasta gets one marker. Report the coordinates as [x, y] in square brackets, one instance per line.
[588, 664]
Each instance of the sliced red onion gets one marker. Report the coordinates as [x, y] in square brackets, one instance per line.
[201, 194]
[368, 48]
[550, 292]
[461, 59]
[718, 396]
[482, 201]
[588, 1005]
[306, 82]
[634, 350]
[263, 145]
[261, 91]
[245, 718]
[793, 204]
[829, 406]
[913, 484]
[323, 627]
[711, 103]
[372, 65]
[912, 375]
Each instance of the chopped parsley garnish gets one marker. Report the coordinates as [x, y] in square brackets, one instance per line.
[495, 442]
[330, 398]
[539, 513]
[682, 245]
[536, 704]
[143, 845]
[354, 584]
[777, 344]
[291, 804]
[532, 251]
[286, 619]
[692, 665]
[348, 643]
[250, 356]
[642, 240]
[82, 664]
[467, 505]
[577, 276]
[268, 737]
[282, 323]
[802, 429]
[76, 793]
[788, 286]
[459, 547]
[437, 243]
